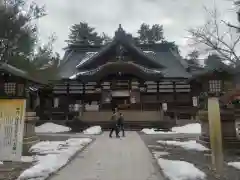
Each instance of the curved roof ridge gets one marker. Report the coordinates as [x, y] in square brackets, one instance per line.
[92, 71]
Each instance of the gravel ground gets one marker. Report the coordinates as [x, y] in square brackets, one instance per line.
[11, 170]
[201, 160]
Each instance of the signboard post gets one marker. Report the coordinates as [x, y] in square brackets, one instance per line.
[12, 115]
[215, 131]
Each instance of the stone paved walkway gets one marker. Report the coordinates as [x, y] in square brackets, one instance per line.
[112, 159]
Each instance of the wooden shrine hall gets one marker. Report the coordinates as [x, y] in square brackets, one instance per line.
[148, 82]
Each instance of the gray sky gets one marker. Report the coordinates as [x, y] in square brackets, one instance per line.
[176, 16]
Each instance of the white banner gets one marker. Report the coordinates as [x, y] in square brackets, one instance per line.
[12, 115]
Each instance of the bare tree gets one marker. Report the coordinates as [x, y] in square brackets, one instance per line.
[216, 36]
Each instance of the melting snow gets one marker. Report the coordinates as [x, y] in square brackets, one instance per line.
[235, 164]
[189, 129]
[188, 145]
[93, 130]
[51, 156]
[154, 131]
[158, 154]
[27, 158]
[180, 170]
[154, 146]
[51, 128]
[194, 128]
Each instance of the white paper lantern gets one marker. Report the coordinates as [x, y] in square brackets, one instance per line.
[164, 106]
[195, 101]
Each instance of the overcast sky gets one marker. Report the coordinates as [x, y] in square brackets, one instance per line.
[176, 16]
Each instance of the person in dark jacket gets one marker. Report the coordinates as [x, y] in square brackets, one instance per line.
[121, 124]
[114, 121]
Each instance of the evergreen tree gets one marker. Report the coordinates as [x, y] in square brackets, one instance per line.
[149, 34]
[18, 37]
[192, 58]
[84, 34]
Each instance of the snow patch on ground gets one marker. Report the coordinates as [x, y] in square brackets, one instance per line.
[51, 128]
[155, 146]
[51, 156]
[95, 130]
[194, 128]
[235, 164]
[158, 154]
[188, 145]
[27, 159]
[1, 162]
[180, 170]
[154, 131]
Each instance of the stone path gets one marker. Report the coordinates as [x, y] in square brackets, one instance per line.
[112, 159]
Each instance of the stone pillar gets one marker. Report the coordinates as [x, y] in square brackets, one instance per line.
[29, 138]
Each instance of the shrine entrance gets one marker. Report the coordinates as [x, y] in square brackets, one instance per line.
[121, 99]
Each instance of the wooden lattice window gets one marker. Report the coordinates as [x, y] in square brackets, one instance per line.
[10, 88]
[215, 85]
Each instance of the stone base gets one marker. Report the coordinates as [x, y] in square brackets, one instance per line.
[28, 142]
[229, 143]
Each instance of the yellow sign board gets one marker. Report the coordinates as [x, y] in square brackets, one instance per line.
[12, 115]
[215, 131]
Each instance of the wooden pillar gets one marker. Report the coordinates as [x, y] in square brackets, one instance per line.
[83, 98]
[158, 96]
[174, 91]
[175, 98]
[67, 105]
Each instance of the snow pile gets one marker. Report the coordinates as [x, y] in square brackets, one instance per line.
[93, 130]
[188, 145]
[51, 128]
[180, 170]
[235, 164]
[51, 156]
[27, 159]
[188, 129]
[154, 131]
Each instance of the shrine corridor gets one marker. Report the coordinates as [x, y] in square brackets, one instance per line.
[112, 159]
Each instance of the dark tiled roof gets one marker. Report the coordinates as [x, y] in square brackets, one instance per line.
[19, 73]
[68, 66]
[171, 64]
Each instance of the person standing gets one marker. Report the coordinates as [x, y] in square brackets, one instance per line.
[121, 125]
[114, 121]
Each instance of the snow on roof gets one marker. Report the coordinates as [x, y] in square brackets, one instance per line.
[88, 56]
[149, 52]
[93, 71]
[90, 72]
[154, 71]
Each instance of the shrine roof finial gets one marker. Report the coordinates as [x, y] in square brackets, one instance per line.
[120, 28]
[120, 32]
